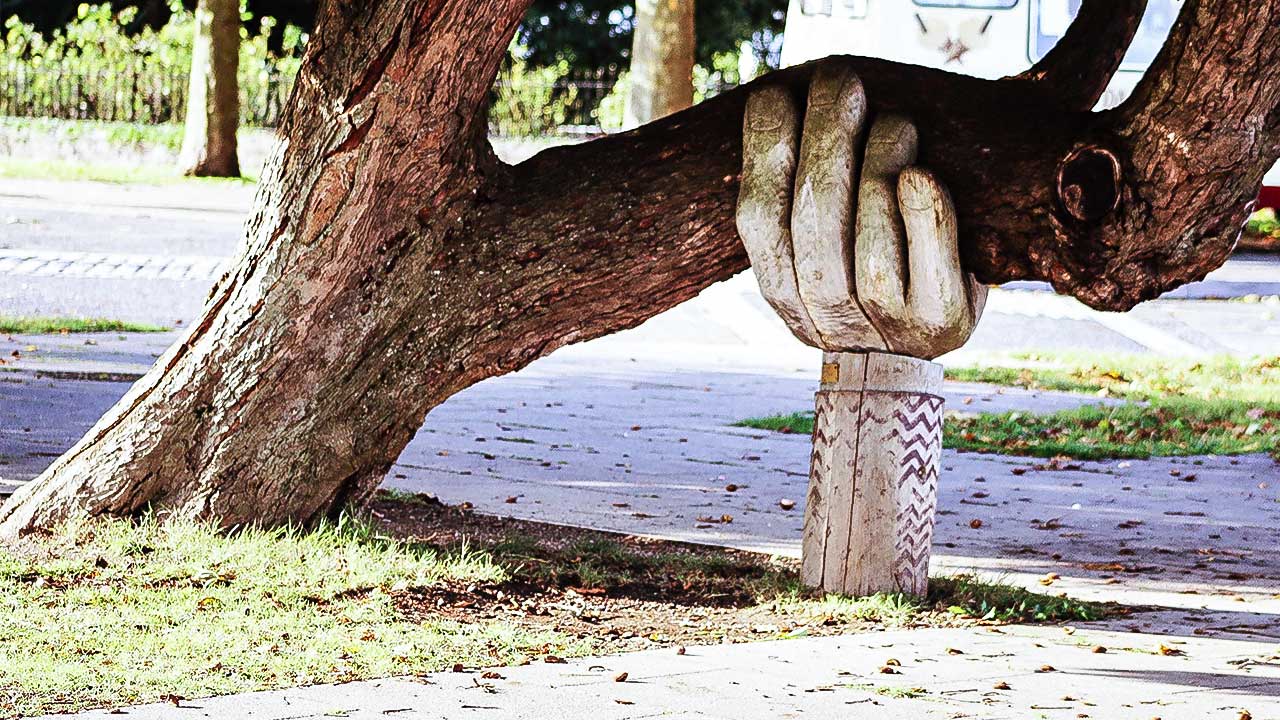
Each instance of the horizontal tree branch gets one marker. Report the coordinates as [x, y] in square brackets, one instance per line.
[1082, 63]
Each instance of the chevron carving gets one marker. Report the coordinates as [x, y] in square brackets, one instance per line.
[873, 488]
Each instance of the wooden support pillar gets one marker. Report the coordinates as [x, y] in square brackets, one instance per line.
[873, 478]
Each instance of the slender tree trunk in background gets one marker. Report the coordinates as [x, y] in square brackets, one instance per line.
[662, 56]
[213, 102]
[392, 260]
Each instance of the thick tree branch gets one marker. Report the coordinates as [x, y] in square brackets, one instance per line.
[391, 262]
[1079, 68]
[1114, 208]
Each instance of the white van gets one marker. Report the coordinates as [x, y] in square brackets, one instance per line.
[985, 38]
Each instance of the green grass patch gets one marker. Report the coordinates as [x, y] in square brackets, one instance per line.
[1166, 428]
[1180, 406]
[107, 613]
[108, 173]
[57, 326]
[121, 613]
[961, 595]
[1136, 377]
[119, 134]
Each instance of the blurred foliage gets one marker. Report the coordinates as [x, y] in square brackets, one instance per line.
[597, 33]
[1264, 222]
[104, 64]
[126, 60]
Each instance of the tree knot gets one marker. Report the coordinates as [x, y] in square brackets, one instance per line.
[1089, 183]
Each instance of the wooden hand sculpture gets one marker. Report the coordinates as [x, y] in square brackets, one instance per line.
[851, 263]
[865, 266]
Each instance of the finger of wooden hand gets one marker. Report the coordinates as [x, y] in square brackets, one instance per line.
[939, 292]
[880, 248]
[771, 130]
[822, 214]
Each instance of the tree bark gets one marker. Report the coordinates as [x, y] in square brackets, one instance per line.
[662, 57]
[213, 101]
[392, 261]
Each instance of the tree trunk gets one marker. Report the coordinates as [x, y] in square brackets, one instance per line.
[213, 101]
[662, 55]
[392, 261]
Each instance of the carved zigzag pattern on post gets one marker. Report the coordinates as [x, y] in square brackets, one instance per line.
[815, 526]
[918, 431]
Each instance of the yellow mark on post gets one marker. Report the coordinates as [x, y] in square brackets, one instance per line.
[830, 373]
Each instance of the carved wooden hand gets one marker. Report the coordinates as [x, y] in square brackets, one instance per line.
[875, 270]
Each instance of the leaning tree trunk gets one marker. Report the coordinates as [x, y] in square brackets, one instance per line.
[213, 101]
[392, 261]
[662, 56]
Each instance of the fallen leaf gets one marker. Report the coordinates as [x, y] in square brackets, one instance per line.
[491, 675]
[1046, 669]
[554, 660]
[620, 677]
[1098, 649]
[1002, 685]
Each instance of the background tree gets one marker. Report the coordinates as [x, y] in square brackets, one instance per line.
[213, 100]
[595, 34]
[662, 59]
[392, 260]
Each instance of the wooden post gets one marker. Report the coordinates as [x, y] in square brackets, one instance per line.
[873, 478]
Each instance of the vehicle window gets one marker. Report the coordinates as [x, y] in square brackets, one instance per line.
[1051, 18]
[972, 4]
[837, 8]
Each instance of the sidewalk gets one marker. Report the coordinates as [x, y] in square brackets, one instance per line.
[634, 433]
[1013, 674]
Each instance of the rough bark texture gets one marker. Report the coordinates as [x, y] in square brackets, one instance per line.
[392, 260]
[213, 102]
[662, 58]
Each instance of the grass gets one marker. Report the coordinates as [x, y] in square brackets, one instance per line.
[121, 134]
[114, 612]
[107, 173]
[1165, 428]
[64, 326]
[122, 613]
[1179, 407]
[1136, 377]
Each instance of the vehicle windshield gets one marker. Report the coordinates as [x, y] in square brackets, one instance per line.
[972, 4]
[1051, 18]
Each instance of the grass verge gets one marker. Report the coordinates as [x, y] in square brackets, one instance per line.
[65, 326]
[1135, 377]
[107, 173]
[1181, 407]
[113, 612]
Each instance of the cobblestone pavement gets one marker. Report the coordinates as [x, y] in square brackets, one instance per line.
[104, 266]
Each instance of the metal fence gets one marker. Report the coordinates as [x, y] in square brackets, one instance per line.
[529, 106]
[137, 92]
[141, 92]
